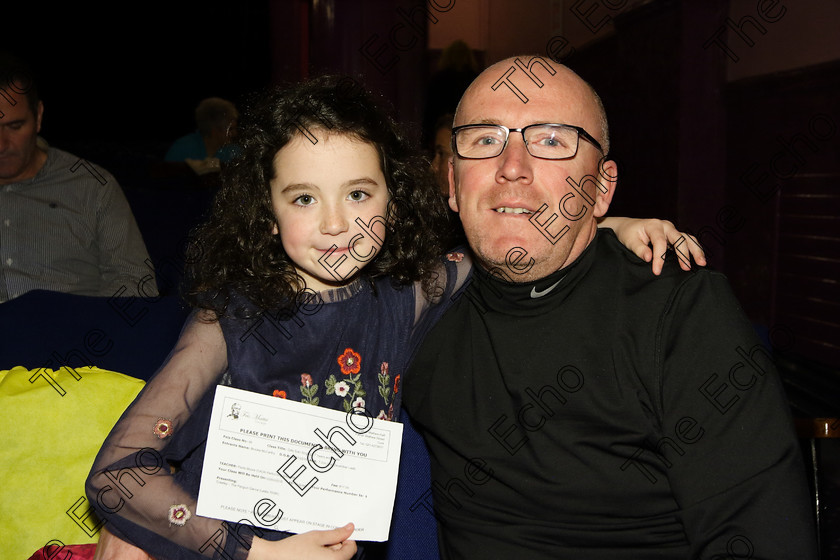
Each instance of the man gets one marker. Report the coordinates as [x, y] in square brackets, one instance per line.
[203, 150]
[66, 225]
[575, 405]
[442, 150]
[440, 167]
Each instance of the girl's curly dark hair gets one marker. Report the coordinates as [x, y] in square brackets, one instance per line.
[235, 250]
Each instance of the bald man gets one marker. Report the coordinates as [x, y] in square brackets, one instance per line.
[576, 405]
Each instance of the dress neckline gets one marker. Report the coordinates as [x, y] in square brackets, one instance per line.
[343, 293]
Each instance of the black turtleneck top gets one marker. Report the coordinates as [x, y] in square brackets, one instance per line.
[616, 415]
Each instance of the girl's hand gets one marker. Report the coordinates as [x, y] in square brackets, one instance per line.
[315, 545]
[113, 548]
[638, 234]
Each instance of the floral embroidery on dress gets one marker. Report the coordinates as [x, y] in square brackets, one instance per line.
[385, 392]
[396, 384]
[308, 390]
[163, 428]
[384, 383]
[455, 257]
[350, 362]
[279, 393]
[179, 514]
[351, 387]
[341, 388]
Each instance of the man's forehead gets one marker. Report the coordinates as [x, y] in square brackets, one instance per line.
[495, 97]
[13, 105]
[494, 108]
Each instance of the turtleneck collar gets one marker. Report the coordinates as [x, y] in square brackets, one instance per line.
[529, 298]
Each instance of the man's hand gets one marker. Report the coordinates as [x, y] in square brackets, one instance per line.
[113, 548]
[639, 234]
[315, 545]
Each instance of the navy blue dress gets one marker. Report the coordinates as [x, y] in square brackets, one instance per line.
[342, 348]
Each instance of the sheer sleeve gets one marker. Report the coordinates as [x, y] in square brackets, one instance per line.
[131, 484]
[449, 280]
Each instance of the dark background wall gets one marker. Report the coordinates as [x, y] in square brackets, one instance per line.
[735, 138]
[133, 76]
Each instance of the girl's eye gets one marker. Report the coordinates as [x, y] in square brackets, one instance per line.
[304, 200]
[358, 196]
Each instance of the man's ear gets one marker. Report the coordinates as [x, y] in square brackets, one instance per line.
[453, 201]
[607, 180]
[275, 230]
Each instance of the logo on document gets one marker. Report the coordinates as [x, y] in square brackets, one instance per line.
[234, 411]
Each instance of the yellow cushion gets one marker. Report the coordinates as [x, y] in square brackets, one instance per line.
[48, 445]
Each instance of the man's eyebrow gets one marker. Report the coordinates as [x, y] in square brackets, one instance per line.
[487, 121]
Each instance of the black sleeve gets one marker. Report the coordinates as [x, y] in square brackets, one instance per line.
[729, 447]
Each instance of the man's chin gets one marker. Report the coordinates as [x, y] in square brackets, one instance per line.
[13, 169]
[9, 168]
[508, 255]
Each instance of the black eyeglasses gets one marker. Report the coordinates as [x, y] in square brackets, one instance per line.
[546, 141]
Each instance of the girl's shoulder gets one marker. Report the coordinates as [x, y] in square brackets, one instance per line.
[450, 276]
[455, 268]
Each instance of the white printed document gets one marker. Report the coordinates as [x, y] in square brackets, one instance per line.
[294, 467]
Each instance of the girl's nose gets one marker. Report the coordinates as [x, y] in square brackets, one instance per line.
[334, 221]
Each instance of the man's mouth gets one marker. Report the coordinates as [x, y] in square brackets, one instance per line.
[512, 210]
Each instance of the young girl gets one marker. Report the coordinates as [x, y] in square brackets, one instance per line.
[316, 276]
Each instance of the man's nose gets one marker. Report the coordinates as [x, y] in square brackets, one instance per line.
[515, 161]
